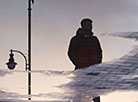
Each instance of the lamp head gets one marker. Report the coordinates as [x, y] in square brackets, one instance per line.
[33, 1]
[11, 64]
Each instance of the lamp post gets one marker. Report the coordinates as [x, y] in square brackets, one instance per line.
[11, 64]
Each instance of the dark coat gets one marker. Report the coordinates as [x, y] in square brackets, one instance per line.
[84, 50]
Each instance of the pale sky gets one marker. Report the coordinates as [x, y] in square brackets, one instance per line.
[54, 22]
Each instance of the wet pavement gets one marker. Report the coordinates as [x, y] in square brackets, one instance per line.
[98, 80]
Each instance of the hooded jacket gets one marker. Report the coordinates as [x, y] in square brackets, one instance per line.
[84, 49]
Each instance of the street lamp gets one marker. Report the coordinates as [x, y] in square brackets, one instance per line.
[11, 64]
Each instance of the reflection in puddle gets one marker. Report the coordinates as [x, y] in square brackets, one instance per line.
[115, 47]
[15, 86]
[121, 96]
[46, 85]
[16, 82]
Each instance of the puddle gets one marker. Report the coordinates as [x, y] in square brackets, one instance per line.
[121, 96]
[15, 85]
[45, 84]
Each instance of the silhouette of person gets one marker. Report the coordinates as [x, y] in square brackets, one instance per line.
[85, 49]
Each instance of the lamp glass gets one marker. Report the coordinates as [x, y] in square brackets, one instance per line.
[11, 65]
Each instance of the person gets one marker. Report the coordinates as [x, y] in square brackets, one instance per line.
[85, 49]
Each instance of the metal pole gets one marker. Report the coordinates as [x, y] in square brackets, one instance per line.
[29, 46]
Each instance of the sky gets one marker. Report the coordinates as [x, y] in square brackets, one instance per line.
[54, 22]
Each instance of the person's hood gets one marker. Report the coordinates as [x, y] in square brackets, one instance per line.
[81, 32]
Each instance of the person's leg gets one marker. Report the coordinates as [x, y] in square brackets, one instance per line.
[96, 99]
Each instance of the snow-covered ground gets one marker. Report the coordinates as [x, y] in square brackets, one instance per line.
[114, 81]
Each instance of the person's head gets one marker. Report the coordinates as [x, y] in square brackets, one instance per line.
[86, 24]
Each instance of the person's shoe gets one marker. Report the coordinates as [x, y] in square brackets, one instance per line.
[96, 99]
